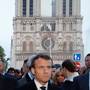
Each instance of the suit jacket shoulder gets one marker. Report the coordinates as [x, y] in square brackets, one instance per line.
[67, 85]
[31, 86]
[24, 80]
[7, 83]
[82, 82]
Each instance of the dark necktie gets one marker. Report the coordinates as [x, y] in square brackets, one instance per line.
[43, 88]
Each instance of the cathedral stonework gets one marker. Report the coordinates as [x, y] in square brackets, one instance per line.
[59, 36]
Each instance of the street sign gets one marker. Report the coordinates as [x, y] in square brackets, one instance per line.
[77, 56]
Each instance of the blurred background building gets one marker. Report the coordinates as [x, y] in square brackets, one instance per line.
[59, 36]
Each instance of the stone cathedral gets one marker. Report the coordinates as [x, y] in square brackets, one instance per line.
[59, 36]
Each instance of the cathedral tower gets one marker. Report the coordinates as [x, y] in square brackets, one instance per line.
[60, 36]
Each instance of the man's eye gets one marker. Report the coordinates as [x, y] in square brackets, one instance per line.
[49, 67]
[44, 67]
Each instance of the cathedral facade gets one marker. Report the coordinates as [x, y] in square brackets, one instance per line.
[59, 36]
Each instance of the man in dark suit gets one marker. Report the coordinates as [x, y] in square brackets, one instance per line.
[41, 67]
[82, 82]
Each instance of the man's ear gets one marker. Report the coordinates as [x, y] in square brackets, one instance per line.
[33, 70]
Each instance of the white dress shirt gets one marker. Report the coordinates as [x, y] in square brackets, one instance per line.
[70, 78]
[38, 85]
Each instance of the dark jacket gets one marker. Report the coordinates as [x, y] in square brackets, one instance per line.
[7, 83]
[24, 80]
[67, 85]
[32, 86]
[82, 82]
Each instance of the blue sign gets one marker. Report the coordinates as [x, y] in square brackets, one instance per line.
[77, 57]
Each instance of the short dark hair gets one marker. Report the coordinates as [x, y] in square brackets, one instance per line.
[88, 54]
[69, 65]
[40, 55]
[11, 69]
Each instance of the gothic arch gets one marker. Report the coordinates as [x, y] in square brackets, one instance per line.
[24, 46]
[67, 45]
[64, 46]
[31, 46]
[70, 46]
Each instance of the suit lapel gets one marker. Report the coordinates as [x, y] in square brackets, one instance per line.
[27, 77]
[33, 86]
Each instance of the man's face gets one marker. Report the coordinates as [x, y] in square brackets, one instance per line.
[42, 70]
[87, 61]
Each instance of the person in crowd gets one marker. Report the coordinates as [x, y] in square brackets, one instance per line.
[69, 72]
[55, 68]
[18, 74]
[10, 72]
[86, 68]
[22, 72]
[1, 67]
[87, 62]
[6, 83]
[41, 67]
[58, 78]
[28, 76]
[25, 68]
[82, 70]
[82, 82]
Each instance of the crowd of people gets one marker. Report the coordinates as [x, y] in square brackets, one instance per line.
[39, 73]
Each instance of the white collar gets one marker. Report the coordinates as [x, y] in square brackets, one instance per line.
[30, 75]
[70, 78]
[38, 85]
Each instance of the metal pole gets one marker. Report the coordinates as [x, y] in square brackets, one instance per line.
[50, 47]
